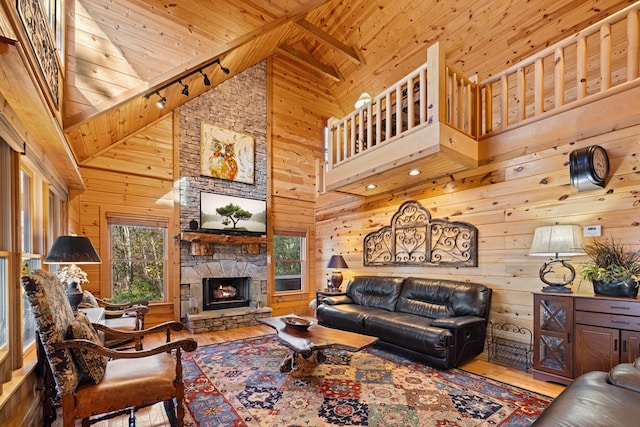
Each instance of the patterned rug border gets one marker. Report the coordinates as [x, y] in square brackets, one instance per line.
[251, 391]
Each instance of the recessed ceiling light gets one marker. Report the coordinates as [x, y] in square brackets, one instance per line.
[371, 186]
[414, 172]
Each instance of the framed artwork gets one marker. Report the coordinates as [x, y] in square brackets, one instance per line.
[226, 154]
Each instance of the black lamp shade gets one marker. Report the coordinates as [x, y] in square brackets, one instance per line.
[337, 261]
[72, 250]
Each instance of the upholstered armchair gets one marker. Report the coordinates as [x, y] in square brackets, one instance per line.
[128, 316]
[93, 382]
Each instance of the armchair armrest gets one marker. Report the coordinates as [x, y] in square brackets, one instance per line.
[186, 344]
[110, 305]
[166, 327]
[460, 322]
[337, 299]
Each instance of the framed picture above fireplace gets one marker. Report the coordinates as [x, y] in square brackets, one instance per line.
[232, 215]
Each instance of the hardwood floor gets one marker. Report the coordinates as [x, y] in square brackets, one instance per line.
[155, 416]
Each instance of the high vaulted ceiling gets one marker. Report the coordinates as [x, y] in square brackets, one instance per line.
[119, 53]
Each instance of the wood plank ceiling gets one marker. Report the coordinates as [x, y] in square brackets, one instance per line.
[120, 53]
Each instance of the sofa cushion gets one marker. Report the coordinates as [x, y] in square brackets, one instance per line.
[438, 298]
[92, 365]
[409, 331]
[625, 375]
[348, 317]
[374, 291]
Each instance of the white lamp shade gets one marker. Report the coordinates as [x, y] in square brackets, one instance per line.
[557, 241]
[364, 99]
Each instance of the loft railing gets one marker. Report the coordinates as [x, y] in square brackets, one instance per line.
[432, 92]
[574, 71]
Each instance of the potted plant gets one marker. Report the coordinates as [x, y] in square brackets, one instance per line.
[612, 270]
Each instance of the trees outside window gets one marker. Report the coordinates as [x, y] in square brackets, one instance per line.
[289, 262]
[138, 261]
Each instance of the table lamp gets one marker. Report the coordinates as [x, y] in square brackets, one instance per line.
[73, 250]
[555, 242]
[336, 262]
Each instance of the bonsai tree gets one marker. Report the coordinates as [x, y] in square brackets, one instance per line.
[233, 214]
[610, 262]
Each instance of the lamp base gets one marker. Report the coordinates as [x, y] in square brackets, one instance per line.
[336, 280]
[557, 289]
[74, 295]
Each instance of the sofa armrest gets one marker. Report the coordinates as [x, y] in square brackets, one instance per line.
[337, 299]
[625, 375]
[460, 322]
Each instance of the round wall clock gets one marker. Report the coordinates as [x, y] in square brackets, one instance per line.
[589, 167]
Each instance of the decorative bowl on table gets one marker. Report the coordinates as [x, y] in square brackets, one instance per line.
[297, 322]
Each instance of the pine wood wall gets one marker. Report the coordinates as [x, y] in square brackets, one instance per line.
[506, 201]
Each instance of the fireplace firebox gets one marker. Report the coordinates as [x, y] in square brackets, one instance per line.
[225, 292]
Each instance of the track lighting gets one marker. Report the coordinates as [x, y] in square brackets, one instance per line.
[207, 82]
[162, 101]
[224, 69]
[185, 88]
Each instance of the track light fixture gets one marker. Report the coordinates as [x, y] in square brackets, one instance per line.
[207, 82]
[185, 88]
[224, 69]
[162, 101]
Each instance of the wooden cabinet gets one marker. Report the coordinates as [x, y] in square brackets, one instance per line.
[552, 338]
[607, 333]
[577, 334]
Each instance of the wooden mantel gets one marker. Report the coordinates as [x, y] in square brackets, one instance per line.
[204, 243]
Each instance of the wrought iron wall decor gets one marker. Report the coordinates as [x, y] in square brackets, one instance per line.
[37, 30]
[413, 238]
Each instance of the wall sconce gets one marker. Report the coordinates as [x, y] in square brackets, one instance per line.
[556, 241]
[73, 250]
[336, 262]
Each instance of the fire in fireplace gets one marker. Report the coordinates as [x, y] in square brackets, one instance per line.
[225, 292]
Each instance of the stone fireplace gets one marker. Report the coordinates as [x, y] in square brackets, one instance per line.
[219, 293]
[240, 105]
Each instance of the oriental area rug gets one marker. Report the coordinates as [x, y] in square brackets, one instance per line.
[239, 383]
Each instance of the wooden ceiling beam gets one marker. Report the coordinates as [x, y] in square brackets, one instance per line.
[310, 61]
[329, 40]
[187, 68]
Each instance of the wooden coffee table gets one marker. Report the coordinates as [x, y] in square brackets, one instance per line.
[307, 345]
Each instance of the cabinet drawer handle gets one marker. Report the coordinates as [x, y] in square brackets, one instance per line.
[622, 322]
[620, 308]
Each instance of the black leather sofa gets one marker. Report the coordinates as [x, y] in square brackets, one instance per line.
[440, 322]
[597, 399]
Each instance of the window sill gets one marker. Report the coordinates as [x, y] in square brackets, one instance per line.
[18, 376]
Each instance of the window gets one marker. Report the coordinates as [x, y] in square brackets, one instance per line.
[30, 261]
[289, 250]
[138, 259]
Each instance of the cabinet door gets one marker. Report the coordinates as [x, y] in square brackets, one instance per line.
[553, 329]
[630, 346]
[597, 349]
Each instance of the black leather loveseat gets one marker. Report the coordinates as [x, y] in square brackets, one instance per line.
[597, 399]
[442, 322]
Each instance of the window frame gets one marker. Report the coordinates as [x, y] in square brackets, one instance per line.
[118, 218]
[304, 264]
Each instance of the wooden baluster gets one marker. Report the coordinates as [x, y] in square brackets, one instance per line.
[423, 95]
[378, 120]
[538, 86]
[522, 95]
[581, 67]
[633, 50]
[558, 66]
[410, 106]
[352, 140]
[388, 117]
[488, 108]
[398, 110]
[504, 101]
[605, 57]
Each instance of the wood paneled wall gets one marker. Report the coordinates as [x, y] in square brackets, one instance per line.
[131, 189]
[506, 200]
[299, 106]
